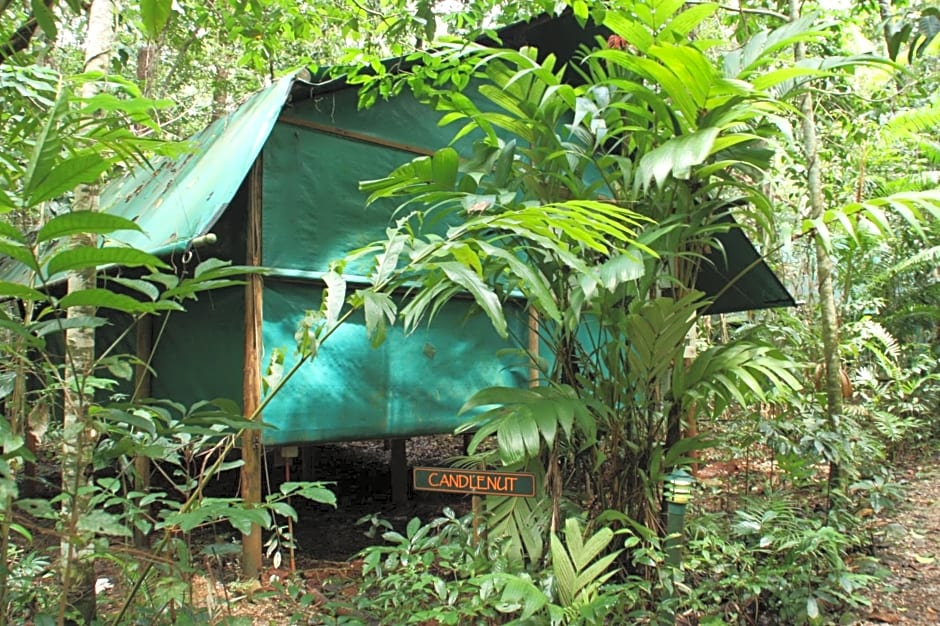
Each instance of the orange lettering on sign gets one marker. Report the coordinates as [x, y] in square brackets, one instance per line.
[475, 482]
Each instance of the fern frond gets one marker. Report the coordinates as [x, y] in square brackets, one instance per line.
[924, 121]
[870, 329]
[923, 259]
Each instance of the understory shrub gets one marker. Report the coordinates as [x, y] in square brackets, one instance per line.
[773, 558]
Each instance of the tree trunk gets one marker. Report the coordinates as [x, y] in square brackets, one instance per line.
[220, 91]
[887, 25]
[146, 68]
[824, 268]
[78, 573]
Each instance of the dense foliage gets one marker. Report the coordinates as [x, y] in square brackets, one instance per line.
[596, 190]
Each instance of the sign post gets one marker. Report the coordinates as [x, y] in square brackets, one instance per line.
[477, 483]
[474, 482]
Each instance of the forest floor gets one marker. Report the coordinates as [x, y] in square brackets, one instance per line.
[910, 595]
[907, 542]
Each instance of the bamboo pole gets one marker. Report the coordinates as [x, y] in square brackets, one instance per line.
[251, 381]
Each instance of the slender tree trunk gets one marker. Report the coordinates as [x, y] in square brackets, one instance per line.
[824, 267]
[78, 573]
[220, 91]
[251, 381]
[887, 25]
[146, 68]
[142, 389]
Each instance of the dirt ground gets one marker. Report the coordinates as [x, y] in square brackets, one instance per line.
[911, 550]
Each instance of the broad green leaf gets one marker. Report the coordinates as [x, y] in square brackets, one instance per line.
[444, 165]
[41, 329]
[38, 508]
[504, 100]
[518, 591]
[517, 520]
[775, 77]
[11, 232]
[147, 288]
[518, 437]
[622, 268]
[590, 549]
[759, 49]
[531, 281]
[676, 157]
[662, 12]
[154, 16]
[84, 257]
[482, 294]
[17, 330]
[101, 522]
[210, 268]
[387, 261]
[20, 292]
[20, 253]
[632, 31]
[76, 222]
[897, 39]
[687, 21]
[46, 143]
[812, 608]
[44, 18]
[316, 491]
[380, 311]
[502, 168]
[499, 395]
[691, 67]
[564, 571]
[334, 296]
[107, 299]
[65, 175]
[137, 419]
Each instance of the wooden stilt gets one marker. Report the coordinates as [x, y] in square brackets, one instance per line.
[399, 472]
[307, 462]
[251, 381]
[476, 508]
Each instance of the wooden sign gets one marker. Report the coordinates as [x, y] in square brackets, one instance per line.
[476, 482]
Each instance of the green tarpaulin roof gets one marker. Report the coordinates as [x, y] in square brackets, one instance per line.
[179, 200]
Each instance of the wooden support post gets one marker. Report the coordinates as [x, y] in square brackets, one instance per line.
[476, 509]
[142, 389]
[307, 462]
[251, 381]
[399, 471]
[691, 416]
